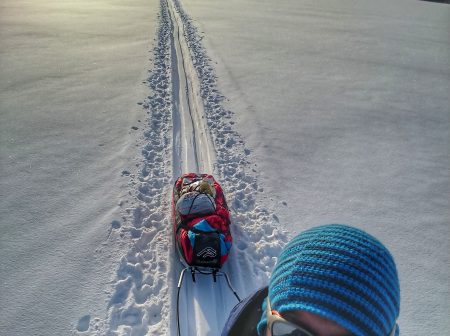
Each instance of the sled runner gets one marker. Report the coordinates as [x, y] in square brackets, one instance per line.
[201, 228]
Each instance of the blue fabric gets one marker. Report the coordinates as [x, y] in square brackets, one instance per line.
[234, 315]
[204, 226]
[245, 312]
[340, 273]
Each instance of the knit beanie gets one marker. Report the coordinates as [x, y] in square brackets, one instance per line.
[340, 273]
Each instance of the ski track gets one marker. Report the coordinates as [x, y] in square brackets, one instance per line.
[186, 120]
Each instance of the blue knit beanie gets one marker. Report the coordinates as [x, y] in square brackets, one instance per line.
[340, 273]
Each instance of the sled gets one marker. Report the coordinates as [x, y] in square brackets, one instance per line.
[201, 228]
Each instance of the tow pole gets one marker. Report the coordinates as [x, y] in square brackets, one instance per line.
[195, 270]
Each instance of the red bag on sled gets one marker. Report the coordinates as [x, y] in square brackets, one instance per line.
[201, 221]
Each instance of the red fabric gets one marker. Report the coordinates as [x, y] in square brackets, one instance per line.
[220, 220]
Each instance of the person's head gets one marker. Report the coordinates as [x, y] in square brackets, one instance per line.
[333, 280]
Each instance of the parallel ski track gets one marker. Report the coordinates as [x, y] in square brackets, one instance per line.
[193, 149]
[202, 302]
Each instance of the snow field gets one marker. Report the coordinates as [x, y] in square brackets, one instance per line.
[140, 303]
[344, 106]
[70, 75]
[307, 113]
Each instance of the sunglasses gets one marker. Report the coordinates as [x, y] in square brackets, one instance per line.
[278, 326]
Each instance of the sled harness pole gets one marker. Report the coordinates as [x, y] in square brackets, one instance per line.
[180, 282]
[194, 270]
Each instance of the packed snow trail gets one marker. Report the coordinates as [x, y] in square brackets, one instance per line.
[189, 130]
[193, 150]
[203, 303]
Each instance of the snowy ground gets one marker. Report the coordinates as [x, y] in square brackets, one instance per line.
[312, 112]
[71, 77]
[345, 106]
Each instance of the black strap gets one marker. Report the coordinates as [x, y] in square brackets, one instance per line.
[209, 199]
[183, 225]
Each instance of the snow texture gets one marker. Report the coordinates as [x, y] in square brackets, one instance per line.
[307, 113]
[71, 76]
[344, 106]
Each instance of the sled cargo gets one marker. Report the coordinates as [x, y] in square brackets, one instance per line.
[201, 227]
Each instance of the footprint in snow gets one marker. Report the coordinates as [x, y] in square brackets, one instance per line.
[83, 323]
[115, 224]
